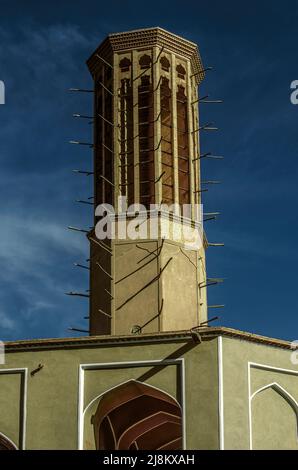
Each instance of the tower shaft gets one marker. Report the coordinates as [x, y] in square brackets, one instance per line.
[146, 148]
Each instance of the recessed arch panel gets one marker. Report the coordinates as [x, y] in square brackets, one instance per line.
[135, 415]
[274, 419]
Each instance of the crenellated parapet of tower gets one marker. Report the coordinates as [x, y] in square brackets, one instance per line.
[146, 154]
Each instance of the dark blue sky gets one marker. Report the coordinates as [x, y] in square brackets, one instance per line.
[253, 49]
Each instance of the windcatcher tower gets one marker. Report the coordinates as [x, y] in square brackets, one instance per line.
[146, 150]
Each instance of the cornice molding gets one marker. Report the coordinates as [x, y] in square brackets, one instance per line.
[110, 340]
[146, 38]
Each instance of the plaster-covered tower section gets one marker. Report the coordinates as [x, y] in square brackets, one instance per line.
[146, 150]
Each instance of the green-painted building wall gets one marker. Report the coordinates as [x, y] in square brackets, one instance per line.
[235, 393]
[53, 393]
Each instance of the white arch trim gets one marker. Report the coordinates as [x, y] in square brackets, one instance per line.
[24, 372]
[266, 367]
[284, 394]
[127, 364]
[9, 440]
[126, 382]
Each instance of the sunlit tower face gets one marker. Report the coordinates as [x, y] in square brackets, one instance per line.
[146, 149]
[146, 118]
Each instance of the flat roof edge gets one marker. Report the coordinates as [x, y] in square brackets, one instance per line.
[108, 341]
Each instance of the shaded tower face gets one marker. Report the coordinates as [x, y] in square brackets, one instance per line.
[146, 149]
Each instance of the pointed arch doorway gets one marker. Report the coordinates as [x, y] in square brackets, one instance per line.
[136, 416]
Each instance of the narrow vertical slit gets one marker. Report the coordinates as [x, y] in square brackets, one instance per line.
[183, 147]
[146, 142]
[126, 137]
[166, 144]
[108, 137]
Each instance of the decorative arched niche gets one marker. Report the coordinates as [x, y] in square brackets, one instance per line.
[165, 64]
[181, 72]
[274, 419]
[125, 64]
[145, 61]
[134, 416]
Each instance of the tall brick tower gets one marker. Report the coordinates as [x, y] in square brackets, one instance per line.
[146, 151]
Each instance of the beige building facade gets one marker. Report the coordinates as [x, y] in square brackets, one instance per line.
[233, 390]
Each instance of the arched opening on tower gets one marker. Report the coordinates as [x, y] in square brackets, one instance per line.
[136, 416]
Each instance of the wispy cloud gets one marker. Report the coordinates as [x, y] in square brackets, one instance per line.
[38, 190]
[6, 322]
